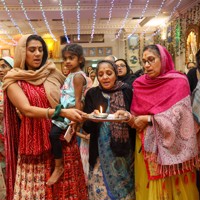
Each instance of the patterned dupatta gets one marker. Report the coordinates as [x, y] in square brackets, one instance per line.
[11, 134]
[28, 129]
[39, 146]
[170, 145]
[119, 131]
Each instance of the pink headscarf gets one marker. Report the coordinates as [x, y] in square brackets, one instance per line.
[152, 96]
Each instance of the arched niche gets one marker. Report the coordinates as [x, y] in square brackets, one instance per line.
[191, 43]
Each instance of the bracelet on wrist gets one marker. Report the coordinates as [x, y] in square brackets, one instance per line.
[56, 115]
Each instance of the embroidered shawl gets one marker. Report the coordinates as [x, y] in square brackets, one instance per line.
[171, 143]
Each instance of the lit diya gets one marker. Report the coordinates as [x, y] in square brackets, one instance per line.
[101, 114]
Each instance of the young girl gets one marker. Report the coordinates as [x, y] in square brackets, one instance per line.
[71, 96]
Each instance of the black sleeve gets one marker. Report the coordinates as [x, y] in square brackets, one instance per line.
[192, 78]
[93, 100]
[128, 95]
[89, 107]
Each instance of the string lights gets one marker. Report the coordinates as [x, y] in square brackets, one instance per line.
[63, 21]
[94, 20]
[172, 13]
[78, 19]
[110, 10]
[156, 15]
[4, 41]
[143, 12]
[174, 9]
[29, 21]
[45, 20]
[10, 16]
[8, 43]
[124, 21]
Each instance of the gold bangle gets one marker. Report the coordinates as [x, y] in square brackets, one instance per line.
[47, 113]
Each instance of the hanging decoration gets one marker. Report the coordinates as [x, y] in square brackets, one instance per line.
[177, 36]
[172, 13]
[63, 21]
[182, 40]
[156, 15]
[143, 12]
[94, 20]
[45, 20]
[110, 11]
[28, 19]
[124, 21]
[10, 16]
[8, 43]
[4, 41]
[78, 20]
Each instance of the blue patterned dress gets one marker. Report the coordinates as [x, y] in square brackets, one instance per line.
[111, 177]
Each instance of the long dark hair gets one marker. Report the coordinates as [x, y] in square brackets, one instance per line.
[128, 69]
[44, 46]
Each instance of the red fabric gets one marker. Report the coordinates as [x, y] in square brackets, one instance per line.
[71, 186]
[34, 144]
[11, 135]
[166, 60]
[1, 137]
[152, 96]
[34, 147]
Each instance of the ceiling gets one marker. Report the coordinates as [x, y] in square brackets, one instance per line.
[92, 16]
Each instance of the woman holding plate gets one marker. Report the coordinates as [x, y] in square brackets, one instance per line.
[111, 148]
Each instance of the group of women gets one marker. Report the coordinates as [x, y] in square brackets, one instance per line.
[151, 155]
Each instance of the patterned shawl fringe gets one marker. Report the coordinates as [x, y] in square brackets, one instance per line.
[163, 171]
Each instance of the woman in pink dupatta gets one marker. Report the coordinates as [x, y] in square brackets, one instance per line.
[33, 87]
[166, 142]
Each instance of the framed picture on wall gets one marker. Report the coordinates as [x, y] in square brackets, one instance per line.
[148, 39]
[100, 51]
[92, 51]
[133, 42]
[5, 52]
[85, 52]
[108, 51]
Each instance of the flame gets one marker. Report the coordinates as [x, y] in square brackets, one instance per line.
[100, 109]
